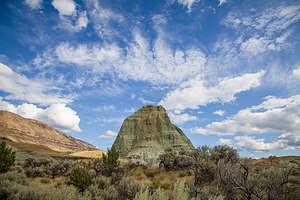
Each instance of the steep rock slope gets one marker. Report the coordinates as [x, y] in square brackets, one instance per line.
[148, 133]
[19, 129]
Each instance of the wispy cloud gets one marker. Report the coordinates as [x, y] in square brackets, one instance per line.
[263, 31]
[34, 4]
[219, 112]
[105, 108]
[187, 3]
[222, 2]
[19, 87]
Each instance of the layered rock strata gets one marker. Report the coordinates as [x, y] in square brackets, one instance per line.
[147, 133]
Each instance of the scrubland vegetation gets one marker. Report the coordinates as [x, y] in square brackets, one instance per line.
[204, 174]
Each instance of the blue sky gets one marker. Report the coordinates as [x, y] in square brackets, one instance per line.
[228, 72]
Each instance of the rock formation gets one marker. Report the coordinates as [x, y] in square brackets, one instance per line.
[19, 129]
[147, 133]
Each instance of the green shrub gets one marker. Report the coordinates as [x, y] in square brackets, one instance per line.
[44, 180]
[80, 178]
[156, 183]
[149, 173]
[7, 157]
[165, 186]
[110, 161]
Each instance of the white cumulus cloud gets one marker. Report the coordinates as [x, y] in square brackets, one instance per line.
[181, 118]
[223, 141]
[296, 73]
[194, 93]
[65, 7]
[108, 135]
[274, 115]
[258, 145]
[57, 115]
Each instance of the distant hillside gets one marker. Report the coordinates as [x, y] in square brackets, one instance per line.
[29, 131]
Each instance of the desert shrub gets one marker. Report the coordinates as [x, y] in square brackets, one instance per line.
[7, 157]
[37, 167]
[165, 186]
[36, 172]
[101, 182]
[182, 174]
[149, 173]
[156, 183]
[204, 172]
[97, 165]
[274, 182]
[102, 189]
[80, 178]
[58, 169]
[143, 195]
[44, 180]
[172, 160]
[160, 194]
[14, 176]
[29, 162]
[128, 188]
[220, 197]
[205, 193]
[32, 162]
[14, 191]
[224, 152]
[180, 191]
[109, 193]
[237, 182]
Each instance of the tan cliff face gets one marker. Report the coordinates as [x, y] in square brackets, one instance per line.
[148, 133]
[19, 129]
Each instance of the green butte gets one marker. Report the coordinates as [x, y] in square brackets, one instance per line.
[148, 133]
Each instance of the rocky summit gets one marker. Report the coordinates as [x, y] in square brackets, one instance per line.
[147, 133]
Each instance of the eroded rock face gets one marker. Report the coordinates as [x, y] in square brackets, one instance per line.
[19, 129]
[148, 133]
